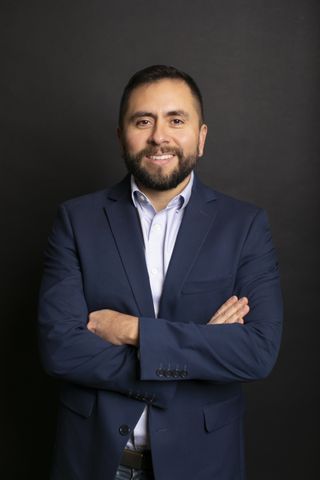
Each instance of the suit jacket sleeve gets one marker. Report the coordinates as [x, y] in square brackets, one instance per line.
[69, 351]
[223, 353]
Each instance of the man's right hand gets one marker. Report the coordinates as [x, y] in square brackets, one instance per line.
[232, 311]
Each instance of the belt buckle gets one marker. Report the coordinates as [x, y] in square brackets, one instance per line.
[134, 459]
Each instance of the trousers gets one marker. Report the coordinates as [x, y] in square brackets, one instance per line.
[125, 473]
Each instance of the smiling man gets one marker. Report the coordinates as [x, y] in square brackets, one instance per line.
[160, 297]
[162, 141]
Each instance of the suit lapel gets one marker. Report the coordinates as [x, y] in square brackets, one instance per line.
[197, 220]
[125, 226]
[124, 223]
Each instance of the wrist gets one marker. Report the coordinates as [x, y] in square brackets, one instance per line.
[133, 331]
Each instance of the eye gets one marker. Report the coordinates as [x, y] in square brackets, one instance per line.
[177, 121]
[143, 122]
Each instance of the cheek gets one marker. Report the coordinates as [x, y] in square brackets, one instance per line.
[134, 143]
[188, 141]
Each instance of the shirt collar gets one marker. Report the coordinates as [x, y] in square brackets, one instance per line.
[179, 201]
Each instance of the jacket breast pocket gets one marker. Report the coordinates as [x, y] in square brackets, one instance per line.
[206, 286]
[80, 400]
[218, 415]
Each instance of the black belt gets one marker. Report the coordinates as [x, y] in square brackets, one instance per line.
[137, 460]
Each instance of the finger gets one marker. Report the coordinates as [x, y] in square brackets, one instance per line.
[91, 326]
[231, 301]
[235, 311]
[237, 317]
[93, 316]
[93, 322]
[229, 310]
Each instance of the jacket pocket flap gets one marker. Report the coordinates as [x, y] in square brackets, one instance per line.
[78, 399]
[198, 286]
[220, 414]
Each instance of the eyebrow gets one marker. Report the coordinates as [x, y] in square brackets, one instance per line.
[178, 113]
[172, 113]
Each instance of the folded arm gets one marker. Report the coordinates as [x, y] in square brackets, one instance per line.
[223, 352]
[69, 350]
[122, 329]
[226, 349]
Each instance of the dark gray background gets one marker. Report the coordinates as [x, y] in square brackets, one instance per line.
[64, 65]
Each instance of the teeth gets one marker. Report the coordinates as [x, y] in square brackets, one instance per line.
[160, 157]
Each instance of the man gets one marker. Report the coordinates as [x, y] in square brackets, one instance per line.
[159, 297]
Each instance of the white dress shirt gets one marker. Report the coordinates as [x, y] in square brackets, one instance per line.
[160, 230]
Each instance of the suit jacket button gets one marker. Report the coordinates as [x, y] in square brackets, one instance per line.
[176, 373]
[160, 372]
[168, 373]
[124, 430]
[184, 374]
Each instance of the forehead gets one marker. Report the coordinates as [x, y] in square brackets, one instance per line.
[162, 95]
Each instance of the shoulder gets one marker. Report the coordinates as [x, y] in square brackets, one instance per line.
[227, 204]
[87, 201]
[234, 215]
[97, 200]
[235, 205]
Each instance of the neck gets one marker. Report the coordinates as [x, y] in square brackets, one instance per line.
[160, 199]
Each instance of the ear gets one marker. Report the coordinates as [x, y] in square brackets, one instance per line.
[202, 138]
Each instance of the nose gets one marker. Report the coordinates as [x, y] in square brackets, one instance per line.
[158, 134]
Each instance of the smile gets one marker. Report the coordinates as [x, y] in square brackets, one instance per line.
[160, 157]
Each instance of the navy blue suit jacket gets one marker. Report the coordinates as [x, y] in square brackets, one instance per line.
[188, 372]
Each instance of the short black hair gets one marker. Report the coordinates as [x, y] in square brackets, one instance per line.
[152, 74]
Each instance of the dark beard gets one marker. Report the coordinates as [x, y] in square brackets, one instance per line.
[158, 181]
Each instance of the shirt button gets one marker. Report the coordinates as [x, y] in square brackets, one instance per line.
[124, 430]
[154, 271]
[157, 227]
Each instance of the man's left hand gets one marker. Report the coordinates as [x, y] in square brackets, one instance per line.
[114, 327]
